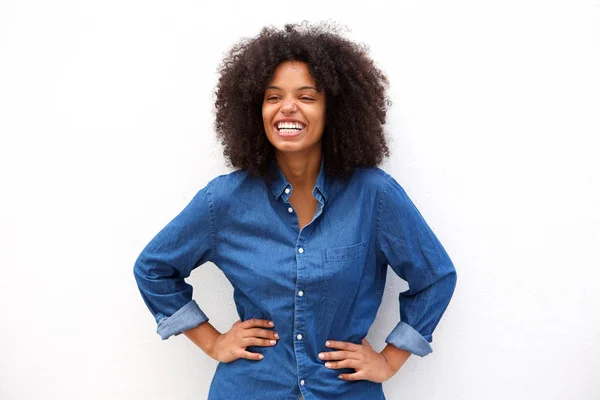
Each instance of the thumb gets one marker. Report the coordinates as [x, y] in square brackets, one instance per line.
[365, 342]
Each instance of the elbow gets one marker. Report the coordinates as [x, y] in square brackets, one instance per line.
[140, 269]
[450, 279]
[448, 285]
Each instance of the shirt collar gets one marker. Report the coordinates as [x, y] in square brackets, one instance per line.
[279, 182]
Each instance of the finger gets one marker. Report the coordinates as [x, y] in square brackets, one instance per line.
[251, 356]
[366, 343]
[263, 323]
[342, 345]
[260, 333]
[338, 355]
[356, 376]
[342, 364]
[252, 341]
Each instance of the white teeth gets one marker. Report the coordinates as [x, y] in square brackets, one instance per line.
[290, 125]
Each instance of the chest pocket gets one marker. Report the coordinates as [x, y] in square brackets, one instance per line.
[342, 270]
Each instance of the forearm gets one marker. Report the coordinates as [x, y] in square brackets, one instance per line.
[204, 336]
[395, 357]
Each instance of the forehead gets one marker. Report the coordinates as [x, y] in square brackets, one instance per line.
[291, 73]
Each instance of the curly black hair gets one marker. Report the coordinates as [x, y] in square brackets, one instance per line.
[355, 93]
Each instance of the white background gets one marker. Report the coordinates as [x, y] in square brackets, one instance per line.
[106, 122]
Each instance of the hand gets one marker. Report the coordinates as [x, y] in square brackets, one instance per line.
[231, 345]
[369, 364]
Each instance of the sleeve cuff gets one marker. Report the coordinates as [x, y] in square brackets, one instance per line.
[187, 317]
[405, 337]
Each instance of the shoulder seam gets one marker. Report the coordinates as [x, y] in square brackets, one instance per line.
[213, 235]
[380, 207]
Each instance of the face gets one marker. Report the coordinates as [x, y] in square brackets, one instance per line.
[293, 111]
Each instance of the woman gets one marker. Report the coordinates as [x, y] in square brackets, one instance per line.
[304, 229]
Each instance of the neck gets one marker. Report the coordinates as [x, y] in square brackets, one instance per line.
[300, 169]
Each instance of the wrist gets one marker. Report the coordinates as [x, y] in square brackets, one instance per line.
[395, 358]
[204, 336]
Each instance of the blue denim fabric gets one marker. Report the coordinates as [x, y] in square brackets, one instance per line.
[323, 282]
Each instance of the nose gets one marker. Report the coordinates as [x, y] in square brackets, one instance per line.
[288, 106]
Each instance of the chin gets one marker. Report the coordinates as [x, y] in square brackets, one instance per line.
[294, 145]
[289, 147]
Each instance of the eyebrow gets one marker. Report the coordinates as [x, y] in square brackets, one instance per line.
[300, 88]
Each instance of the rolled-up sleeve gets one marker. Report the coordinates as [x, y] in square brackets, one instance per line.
[160, 270]
[408, 245]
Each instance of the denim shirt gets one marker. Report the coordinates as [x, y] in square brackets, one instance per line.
[324, 282]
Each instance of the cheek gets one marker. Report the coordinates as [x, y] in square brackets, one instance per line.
[265, 116]
[319, 117]
[268, 112]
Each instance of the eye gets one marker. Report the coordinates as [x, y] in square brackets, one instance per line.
[306, 98]
[271, 98]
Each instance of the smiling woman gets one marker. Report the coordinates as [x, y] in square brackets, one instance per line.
[339, 69]
[293, 110]
[300, 113]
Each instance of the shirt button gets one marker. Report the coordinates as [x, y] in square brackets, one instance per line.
[302, 382]
[299, 337]
[300, 250]
[301, 293]
[287, 190]
[290, 210]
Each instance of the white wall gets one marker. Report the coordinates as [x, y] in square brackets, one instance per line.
[106, 133]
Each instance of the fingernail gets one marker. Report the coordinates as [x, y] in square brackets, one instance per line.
[276, 336]
[321, 356]
[328, 364]
[341, 377]
[271, 323]
[273, 341]
[261, 356]
[327, 343]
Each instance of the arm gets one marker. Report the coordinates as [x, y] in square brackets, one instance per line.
[412, 250]
[408, 245]
[395, 358]
[160, 270]
[204, 336]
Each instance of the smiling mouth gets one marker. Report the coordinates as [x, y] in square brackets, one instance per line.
[288, 129]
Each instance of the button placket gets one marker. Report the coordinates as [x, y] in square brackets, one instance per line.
[301, 259]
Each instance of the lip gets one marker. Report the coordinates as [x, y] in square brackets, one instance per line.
[288, 120]
[289, 135]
